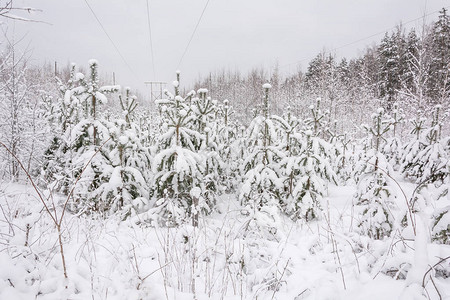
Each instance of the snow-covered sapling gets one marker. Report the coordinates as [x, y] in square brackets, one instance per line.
[262, 183]
[392, 148]
[178, 167]
[375, 196]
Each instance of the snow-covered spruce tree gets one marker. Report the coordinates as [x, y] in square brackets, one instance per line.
[239, 150]
[344, 162]
[333, 133]
[413, 147]
[292, 144]
[375, 194]
[317, 122]
[334, 138]
[262, 189]
[288, 129]
[128, 105]
[227, 135]
[261, 193]
[86, 145]
[205, 110]
[429, 165]
[66, 109]
[392, 149]
[206, 123]
[126, 188]
[319, 126]
[360, 151]
[63, 114]
[178, 167]
[307, 170]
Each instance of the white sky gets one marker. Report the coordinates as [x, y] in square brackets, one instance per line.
[235, 34]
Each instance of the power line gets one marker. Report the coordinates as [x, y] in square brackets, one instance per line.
[193, 33]
[365, 38]
[110, 39]
[150, 36]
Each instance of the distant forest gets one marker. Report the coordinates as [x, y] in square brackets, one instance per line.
[407, 67]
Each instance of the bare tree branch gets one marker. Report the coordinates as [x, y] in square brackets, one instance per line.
[7, 8]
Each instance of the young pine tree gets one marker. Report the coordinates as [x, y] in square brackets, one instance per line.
[227, 136]
[375, 194]
[307, 170]
[429, 165]
[262, 190]
[127, 186]
[177, 165]
[262, 180]
[87, 150]
[206, 123]
[393, 146]
[63, 114]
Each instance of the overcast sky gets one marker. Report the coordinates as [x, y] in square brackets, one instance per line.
[235, 34]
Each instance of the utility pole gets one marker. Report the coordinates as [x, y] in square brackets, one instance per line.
[156, 89]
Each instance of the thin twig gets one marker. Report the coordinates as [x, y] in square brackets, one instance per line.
[281, 277]
[31, 180]
[431, 268]
[153, 272]
[437, 290]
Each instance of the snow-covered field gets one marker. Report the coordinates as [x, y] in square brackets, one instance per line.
[328, 182]
[232, 254]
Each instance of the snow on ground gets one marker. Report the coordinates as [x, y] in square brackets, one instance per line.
[229, 256]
